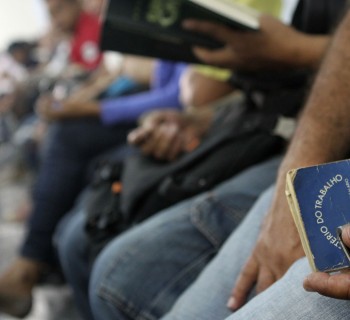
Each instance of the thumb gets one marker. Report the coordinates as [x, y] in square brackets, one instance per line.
[152, 120]
[346, 235]
[138, 136]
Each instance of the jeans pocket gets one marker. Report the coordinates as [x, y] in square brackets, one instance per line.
[217, 217]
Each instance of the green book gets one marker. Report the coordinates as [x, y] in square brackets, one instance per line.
[154, 27]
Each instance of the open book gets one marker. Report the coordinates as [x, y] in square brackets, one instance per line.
[154, 27]
[319, 198]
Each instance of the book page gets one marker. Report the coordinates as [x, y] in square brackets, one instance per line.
[236, 12]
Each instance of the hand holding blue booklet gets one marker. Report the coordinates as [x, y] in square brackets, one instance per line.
[319, 198]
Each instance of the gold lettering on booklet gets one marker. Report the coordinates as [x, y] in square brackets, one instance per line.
[164, 13]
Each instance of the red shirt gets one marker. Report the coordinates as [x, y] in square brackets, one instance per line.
[85, 49]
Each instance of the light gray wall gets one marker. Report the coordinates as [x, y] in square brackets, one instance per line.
[21, 19]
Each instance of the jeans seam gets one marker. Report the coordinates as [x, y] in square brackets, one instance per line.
[128, 308]
[228, 211]
[116, 298]
[183, 273]
[231, 210]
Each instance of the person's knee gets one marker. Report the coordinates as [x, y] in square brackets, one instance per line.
[67, 130]
[298, 271]
[56, 137]
[106, 307]
[107, 295]
[65, 245]
[69, 237]
[126, 276]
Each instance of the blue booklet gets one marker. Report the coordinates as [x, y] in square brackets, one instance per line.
[319, 198]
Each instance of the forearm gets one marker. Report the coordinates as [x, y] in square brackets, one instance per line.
[296, 49]
[92, 90]
[323, 133]
[308, 51]
[199, 90]
[95, 84]
[138, 69]
[130, 108]
[200, 119]
[77, 109]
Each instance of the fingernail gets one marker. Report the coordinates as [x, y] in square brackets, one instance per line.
[131, 137]
[232, 304]
[346, 228]
[306, 285]
[308, 289]
[344, 232]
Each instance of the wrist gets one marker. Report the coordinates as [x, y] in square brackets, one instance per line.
[308, 51]
[81, 109]
[92, 108]
[201, 121]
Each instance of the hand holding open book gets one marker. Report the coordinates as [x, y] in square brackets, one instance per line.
[183, 30]
[154, 27]
[272, 47]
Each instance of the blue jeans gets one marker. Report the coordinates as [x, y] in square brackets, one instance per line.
[285, 300]
[141, 274]
[68, 150]
[74, 256]
[206, 299]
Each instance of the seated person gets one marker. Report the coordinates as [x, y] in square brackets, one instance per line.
[70, 146]
[77, 33]
[74, 42]
[264, 254]
[191, 218]
[83, 29]
[13, 72]
[145, 270]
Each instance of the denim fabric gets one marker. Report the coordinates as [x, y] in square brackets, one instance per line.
[68, 150]
[287, 300]
[141, 274]
[206, 299]
[75, 258]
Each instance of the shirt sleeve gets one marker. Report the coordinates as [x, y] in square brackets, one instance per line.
[130, 108]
